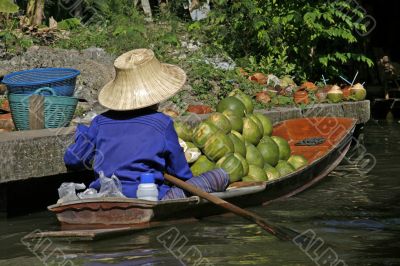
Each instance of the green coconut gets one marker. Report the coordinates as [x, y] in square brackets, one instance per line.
[203, 132]
[202, 165]
[233, 104]
[358, 92]
[190, 145]
[183, 130]
[232, 164]
[236, 121]
[253, 155]
[257, 121]
[238, 144]
[244, 163]
[245, 99]
[221, 122]
[297, 161]
[271, 172]
[256, 173]
[284, 168]
[284, 147]
[237, 134]
[251, 131]
[335, 94]
[266, 123]
[217, 146]
[269, 150]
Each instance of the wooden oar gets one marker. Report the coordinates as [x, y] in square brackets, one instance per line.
[280, 232]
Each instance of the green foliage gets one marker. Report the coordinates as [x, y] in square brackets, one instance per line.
[278, 63]
[209, 84]
[300, 38]
[69, 24]
[7, 6]
[107, 9]
[14, 40]
[122, 28]
[83, 38]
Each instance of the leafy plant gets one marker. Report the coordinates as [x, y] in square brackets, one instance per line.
[300, 38]
[7, 6]
[69, 24]
[13, 41]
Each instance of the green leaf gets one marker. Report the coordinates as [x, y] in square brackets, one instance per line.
[323, 61]
[194, 26]
[7, 6]
[69, 24]
[170, 38]
[342, 57]
[120, 30]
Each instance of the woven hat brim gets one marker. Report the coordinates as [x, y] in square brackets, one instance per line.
[124, 97]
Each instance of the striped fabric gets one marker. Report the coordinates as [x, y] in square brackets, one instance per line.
[212, 181]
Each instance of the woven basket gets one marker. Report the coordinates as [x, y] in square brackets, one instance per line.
[61, 80]
[58, 110]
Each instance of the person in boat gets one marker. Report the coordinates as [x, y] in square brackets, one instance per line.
[132, 138]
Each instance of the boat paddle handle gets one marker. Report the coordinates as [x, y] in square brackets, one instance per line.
[280, 232]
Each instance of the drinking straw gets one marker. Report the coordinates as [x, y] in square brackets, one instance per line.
[354, 79]
[363, 83]
[323, 78]
[348, 82]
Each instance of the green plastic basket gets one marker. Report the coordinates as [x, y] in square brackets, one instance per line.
[58, 110]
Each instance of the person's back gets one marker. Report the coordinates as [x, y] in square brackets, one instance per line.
[128, 144]
[132, 138]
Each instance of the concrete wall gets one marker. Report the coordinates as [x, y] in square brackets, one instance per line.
[39, 153]
[33, 153]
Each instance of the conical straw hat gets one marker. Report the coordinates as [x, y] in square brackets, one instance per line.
[140, 81]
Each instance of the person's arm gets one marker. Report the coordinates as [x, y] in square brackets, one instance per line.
[80, 155]
[175, 157]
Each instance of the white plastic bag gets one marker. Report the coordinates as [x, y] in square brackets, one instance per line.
[67, 191]
[110, 187]
[89, 193]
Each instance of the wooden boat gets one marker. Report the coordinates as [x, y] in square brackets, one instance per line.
[100, 216]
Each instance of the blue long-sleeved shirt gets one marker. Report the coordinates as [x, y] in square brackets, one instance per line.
[127, 144]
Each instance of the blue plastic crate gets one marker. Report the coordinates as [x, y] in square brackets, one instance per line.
[61, 80]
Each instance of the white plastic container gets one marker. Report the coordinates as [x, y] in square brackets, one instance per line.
[147, 190]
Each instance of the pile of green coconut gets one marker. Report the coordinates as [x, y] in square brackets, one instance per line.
[239, 141]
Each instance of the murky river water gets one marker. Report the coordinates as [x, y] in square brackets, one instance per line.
[357, 215]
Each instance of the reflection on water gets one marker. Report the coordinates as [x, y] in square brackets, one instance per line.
[357, 215]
